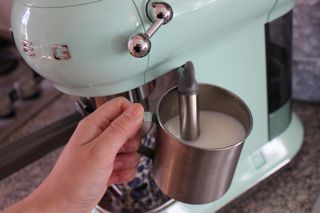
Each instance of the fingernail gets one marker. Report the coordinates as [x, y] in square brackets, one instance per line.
[135, 111]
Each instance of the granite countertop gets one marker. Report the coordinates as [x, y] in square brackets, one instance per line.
[22, 183]
[295, 187]
[292, 189]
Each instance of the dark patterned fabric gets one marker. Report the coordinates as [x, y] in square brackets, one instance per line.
[139, 195]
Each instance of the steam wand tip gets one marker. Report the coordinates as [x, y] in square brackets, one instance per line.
[188, 103]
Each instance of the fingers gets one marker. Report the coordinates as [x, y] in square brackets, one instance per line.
[122, 176]
[126, 161]
[94, 124]
[120, 131]
[132, 145]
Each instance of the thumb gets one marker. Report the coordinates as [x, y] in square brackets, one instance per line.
[121, 130]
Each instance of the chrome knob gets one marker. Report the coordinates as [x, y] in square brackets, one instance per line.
[160, 10]
[139, 45]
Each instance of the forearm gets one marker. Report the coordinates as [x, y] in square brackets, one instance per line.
[45, 200]
[26, 205]
[43, 205]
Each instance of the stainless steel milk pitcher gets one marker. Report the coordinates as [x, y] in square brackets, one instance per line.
[188, 173]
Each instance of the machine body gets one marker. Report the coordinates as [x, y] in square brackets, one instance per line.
[81, 46]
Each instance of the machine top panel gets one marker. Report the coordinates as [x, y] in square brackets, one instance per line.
[56, 3]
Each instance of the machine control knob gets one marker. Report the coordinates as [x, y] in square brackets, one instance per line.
[139, 45]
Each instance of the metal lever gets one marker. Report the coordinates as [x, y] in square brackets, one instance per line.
[139, 45]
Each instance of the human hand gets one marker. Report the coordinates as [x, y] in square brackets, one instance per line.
[101, 152]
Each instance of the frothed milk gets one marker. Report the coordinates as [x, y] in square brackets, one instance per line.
[217, 130]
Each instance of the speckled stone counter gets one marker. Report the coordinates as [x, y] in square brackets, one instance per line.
[296, 186]
[306, 50]
[292, 189]
[23, 182]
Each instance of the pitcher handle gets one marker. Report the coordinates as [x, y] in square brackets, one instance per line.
[149, 120]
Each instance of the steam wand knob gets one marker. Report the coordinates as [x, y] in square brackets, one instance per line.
[139, 45]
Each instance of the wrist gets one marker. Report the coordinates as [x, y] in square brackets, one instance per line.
[41, 200]
[48, 198]
[44, 199]
[26, 205]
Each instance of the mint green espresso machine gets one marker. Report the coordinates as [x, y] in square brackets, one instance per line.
[99, 48]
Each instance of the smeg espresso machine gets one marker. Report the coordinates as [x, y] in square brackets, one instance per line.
[102, 48]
